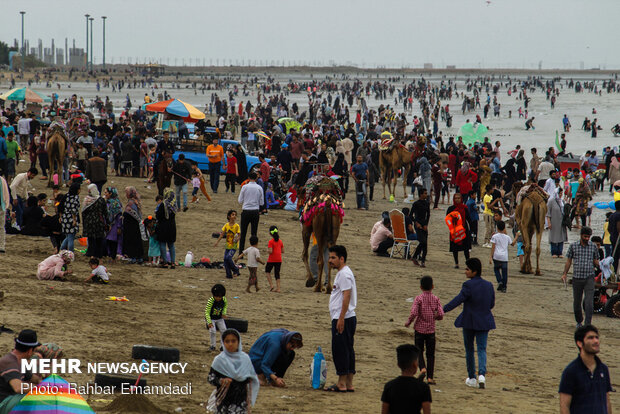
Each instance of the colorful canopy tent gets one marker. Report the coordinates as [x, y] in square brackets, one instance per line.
[471, 135]
[24, 94]
[53, 396]
[176, 107]
[290, 123]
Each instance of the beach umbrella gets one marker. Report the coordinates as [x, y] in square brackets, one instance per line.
[176, 107]
[24, 94]
[53, 396]
[290, 123]
[471, 135]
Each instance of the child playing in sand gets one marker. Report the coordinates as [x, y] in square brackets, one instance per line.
[99, 273]
[426, 309]
[233, 375]
[406, 394]
[231, 231]
[274, 261]
[215, 312]
[253, 255]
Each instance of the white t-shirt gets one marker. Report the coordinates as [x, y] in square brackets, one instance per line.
[501, 241]
[252, 253]
[344, 281]
[100, 271]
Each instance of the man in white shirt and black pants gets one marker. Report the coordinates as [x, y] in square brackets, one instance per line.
[251, 198]
[342, 303]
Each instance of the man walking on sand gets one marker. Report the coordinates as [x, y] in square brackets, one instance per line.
[342, 303]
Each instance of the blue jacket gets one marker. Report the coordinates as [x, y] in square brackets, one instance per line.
[3, 149]
[478, 298]
[268, 348]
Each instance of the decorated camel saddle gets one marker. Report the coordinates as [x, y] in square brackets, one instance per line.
[320, 192]
[387, 141]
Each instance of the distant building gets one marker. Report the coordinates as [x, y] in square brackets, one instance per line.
[77, 57]
[450, 67]
[428, 66]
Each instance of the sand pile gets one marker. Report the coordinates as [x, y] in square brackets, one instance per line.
[133, 403]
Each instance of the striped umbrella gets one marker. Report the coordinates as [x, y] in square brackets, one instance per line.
[176, 107]
[53, 396]
[24, 94]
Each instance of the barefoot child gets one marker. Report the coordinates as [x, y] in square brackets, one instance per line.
[426, 309]
[254, 259]
[274, 261]
[215, 312]
[231, 231]
[99, 273]
[406, 394]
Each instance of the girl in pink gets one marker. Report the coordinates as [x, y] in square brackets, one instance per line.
[426, 309]
[51, 268]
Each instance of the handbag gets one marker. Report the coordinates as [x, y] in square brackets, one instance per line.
[418, 181]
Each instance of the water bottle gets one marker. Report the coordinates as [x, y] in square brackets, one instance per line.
[189, 258]
[318, 370]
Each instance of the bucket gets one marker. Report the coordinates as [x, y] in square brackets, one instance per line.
[83, 241]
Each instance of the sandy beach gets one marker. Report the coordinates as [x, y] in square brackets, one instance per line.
[527, 352]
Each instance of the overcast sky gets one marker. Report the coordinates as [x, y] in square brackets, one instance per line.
[466, 33]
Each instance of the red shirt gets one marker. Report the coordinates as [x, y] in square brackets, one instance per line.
[232, 165]
[265, 169]
[423, 311]
[276, 252]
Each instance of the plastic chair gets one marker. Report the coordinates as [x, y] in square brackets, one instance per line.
[401, 243]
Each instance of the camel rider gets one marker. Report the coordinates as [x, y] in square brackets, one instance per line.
[164, 146]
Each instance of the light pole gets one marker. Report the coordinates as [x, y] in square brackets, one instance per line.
[87, 55]
[91, 42]
[103, 18]
[23, 51]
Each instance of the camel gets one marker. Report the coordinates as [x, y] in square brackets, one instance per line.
[164, 176]
[56, 151]
[530, 216]
[390, 161]
[322, 214]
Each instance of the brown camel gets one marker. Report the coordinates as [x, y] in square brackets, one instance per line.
[390, 161]
[530, 215]
[56, 151]
[326, 227]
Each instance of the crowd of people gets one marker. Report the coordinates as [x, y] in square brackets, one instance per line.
[340, 136]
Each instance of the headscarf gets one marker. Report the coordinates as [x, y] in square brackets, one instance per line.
[66, 255]
[133, 201]
[465, 167]
[460, 207]
[237, 366]
[558, 198]
[114, 204]
[170, 202]
[615, 161]
[92, 197]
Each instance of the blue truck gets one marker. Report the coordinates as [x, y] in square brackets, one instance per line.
[195, 149]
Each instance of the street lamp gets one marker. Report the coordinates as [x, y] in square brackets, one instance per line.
[103, 18]
[91, 42]
[23, 51]
[87, 55]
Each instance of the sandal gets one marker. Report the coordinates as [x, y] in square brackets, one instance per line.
[431, 382]
[334, 388]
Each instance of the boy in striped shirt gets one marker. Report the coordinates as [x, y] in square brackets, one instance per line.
[215, 312]
[426, 309]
